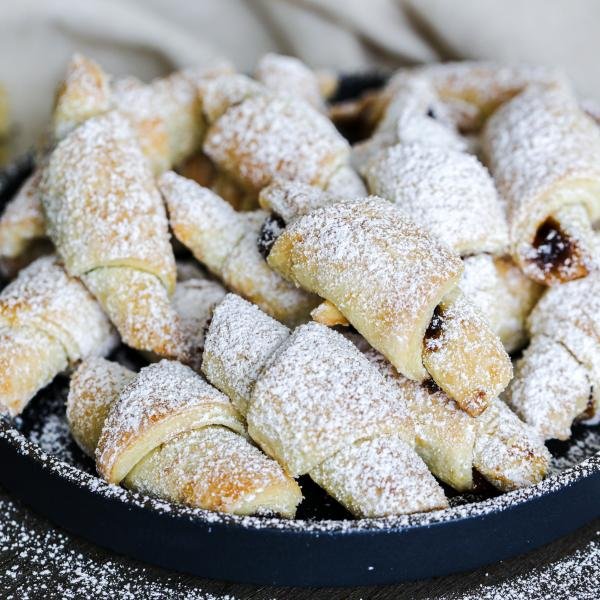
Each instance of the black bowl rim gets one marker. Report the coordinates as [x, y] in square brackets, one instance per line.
[554, 483]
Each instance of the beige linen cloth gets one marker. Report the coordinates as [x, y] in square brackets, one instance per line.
[147, 38]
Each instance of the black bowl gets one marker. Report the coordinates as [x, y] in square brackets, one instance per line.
[324, 546]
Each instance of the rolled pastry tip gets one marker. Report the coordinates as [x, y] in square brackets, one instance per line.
[212, 467]
[496, 444]
[268, 136]
[22, 222]
[550, 389]
[456, 332]
[288, 75]
[246, 351]
[503, 295]
[193, 302]
[447, 192]
[471, 90]
[49, 321]
[226, 242]
[565, 320]
[166, 113]
[109, 225]
[139, 307]
[396, 285]
[544, 153]
[414, 113]
[84, 93]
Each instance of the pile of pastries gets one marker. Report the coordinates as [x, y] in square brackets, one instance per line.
[349, 310]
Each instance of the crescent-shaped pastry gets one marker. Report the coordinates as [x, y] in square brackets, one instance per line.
[471, 90]
[108, 223]
[182, 441]
[497, 444]
[83, 93]
[226, 242]
[544, 153]
[397, 286]
[446, 191]
[503, 295]
[48, 321]
[166, 114]
[314, 403]
[288, 75]
[22, 222]
[263, 136]
[558, 378]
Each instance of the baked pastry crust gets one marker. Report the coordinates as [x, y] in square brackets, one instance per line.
[544, 154]
[266, 137]
[226, 242]
[316, 405]
[496, 444]
[208, 465]
[386, 276]
[557, 379]
[48, 321]
[106, 218]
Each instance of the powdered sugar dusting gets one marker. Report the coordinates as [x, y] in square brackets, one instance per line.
[45, 297]
[266, 137]
[447, 192]
[160, 394]
[349, 252]
[380, 477]
[288, 75]
[537, 145]
[316, 395]
[240, 340]
[101, 204]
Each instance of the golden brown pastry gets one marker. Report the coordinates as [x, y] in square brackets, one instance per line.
[544, 153]
[471, 90]
[314, 403]
[557, 379]
[446, 191]
[496, 444]
[166, 114]
[397, 286]
[225, 241]
[48, 321]
[83, 93]
[503, 295]
[108, 223]
[167, 433]
[288, 75]
[22, 222]
[256, 136]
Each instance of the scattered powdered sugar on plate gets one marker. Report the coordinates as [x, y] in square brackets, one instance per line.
[39, 561]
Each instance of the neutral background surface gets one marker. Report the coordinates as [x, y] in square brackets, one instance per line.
[146, 38]
[38, 560]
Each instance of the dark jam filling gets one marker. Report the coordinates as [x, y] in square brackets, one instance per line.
[434, 330]
[271, 229]
[435, 325]
[431, 386]
[554, 251]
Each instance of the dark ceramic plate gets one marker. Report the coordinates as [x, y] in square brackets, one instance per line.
[323, 546]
